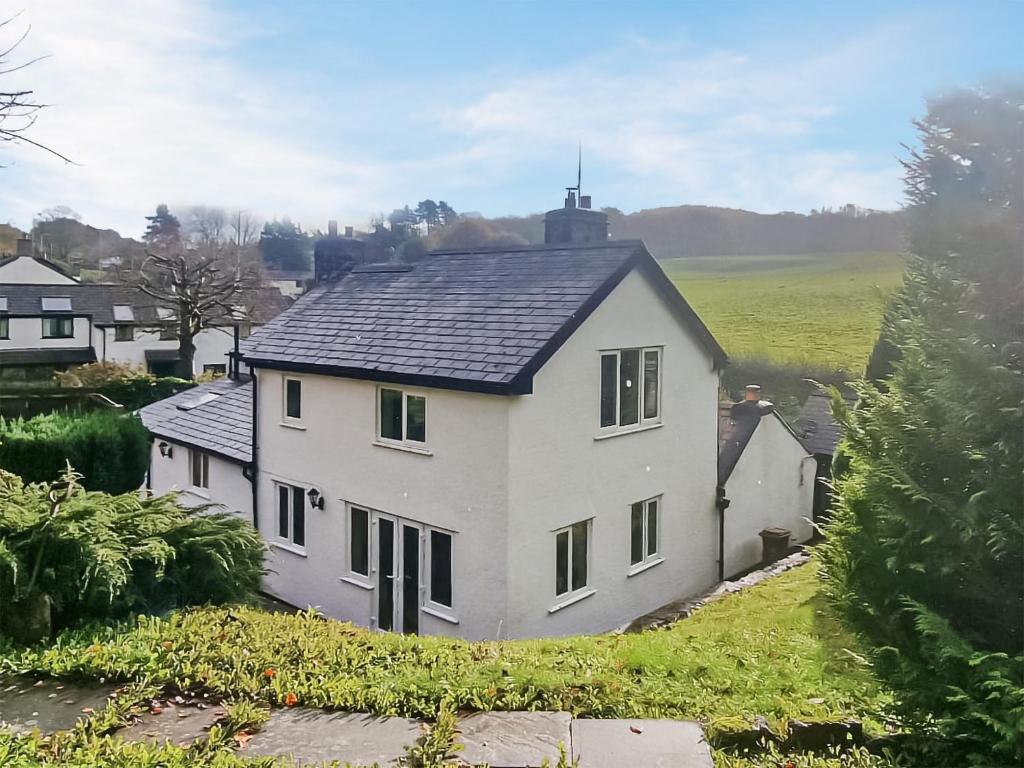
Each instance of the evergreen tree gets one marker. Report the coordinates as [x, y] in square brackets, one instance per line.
[926, 548]
[284, 246]
[163, 230]
[446, 213]
[427, 212]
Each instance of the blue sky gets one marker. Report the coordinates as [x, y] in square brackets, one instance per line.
[345, 109]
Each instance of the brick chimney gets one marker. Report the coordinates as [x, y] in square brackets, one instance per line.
[752, 393]
[332, 228]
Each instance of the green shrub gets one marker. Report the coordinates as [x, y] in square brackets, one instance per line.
[98, 556]
[124, 384]
[109, 449]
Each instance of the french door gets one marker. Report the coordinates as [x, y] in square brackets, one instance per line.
[398, 568]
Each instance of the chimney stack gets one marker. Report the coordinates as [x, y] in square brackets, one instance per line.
[332, 228]
[585, 201]
[349, 232]
[752, 393]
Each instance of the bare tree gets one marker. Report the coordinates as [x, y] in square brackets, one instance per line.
[19, 109]
[206, 225]
[245, 229]
[199, 287]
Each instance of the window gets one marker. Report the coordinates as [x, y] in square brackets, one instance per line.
[58, 327]
[571, 558]
[123, 313]
[200, 466]
[441, 568]
[55, 304]
[5, 328]
[292, 399]
[291, 514]
[359, 541]
[630, 387]
[643, 531]
[403, 416]
[169, 333]
[124, 332]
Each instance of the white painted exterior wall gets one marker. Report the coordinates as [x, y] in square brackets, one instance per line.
[25, 269]
[227, 486]
[771, 485]
[27, 333]
[560, 474]
[212, 346]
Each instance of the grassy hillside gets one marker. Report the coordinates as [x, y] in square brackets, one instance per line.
[819, 310]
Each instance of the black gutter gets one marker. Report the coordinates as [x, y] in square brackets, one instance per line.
[722, 504]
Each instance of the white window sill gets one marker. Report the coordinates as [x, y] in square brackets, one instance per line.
[645, 566]
[629, 431]
[293, 425]
[300, 551]
[403, 447]
[438, 614]
[199, 493]
[572, 600]
[356, 582]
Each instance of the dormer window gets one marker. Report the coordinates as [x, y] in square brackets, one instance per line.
[630, 387]
[56, 304]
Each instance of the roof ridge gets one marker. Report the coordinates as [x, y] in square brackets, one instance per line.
[632, 242]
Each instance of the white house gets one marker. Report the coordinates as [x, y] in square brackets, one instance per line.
[490, 443]
[51, 321]
[767, 476]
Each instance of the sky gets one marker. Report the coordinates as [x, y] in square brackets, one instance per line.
[343, 110]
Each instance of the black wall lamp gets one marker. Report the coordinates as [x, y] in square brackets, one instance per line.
[316, 500]
[166, 450]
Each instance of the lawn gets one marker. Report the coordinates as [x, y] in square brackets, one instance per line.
[775, 651]
[819, 310]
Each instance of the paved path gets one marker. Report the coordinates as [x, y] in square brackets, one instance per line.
[311, 736]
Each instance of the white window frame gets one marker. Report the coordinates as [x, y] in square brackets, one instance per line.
[405, 441]
[367, 577]
[649, 558]
[428, 562]
[564, 599]
[285, 418]
[204, 469]
[5, 327]
[288, 542]
[642, 421]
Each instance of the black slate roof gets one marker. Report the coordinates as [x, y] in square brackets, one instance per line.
[737, 423]
[482, 320]
[221, 423]
[816, 428]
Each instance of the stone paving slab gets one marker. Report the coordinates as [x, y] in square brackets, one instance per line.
[513, 739]
[47, 704]
[640, 743]
[312, 736]
[181, 724]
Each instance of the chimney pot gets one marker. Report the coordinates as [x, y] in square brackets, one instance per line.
[752, 393]
[349, 232]
[584, 201]
[332, 228]
[570, 199]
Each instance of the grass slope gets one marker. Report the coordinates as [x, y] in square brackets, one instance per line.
[818, 309]
[776, 651]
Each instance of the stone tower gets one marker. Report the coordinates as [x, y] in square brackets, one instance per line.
[575, 223]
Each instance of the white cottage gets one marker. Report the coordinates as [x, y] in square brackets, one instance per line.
[489, 443]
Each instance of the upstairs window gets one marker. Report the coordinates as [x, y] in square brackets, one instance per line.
[572, 558]
[5, 328]
[291, 514]
[124, 332]
[402, 416]
[292, 400]
[200, 469]
[630, 387]
[58, 327]
[643, 531]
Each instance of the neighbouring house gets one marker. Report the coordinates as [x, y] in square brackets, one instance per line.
[820, 433]
[494, 442]
[50, 321]
[766, 476]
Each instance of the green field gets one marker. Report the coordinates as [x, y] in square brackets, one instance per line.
[818, 310]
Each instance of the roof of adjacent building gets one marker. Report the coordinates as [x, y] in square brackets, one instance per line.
[817, 430]
[214, 417]
[737, 423]
[5, 260]
[48, 356]
[480, 320]
[98, 300]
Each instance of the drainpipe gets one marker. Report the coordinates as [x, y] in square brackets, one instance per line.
[233, 367]
[722, 504]
[254, 466]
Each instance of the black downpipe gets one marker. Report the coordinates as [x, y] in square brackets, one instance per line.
[722, 503]
[234, 358]
[254, 465]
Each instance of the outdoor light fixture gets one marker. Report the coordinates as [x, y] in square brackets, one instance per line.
[316, 501]
[166, 450]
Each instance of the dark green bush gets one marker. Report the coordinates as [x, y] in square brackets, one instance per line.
[110, 449]
[124, 384]
[98, 556]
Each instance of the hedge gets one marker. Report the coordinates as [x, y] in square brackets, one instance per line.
[109, 449]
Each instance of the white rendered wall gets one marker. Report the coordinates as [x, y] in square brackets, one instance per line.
[212, 346]
[27, 333]
[772, 485]
[26, 270]
[461, 487]
[559, 473]
[227, 485]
